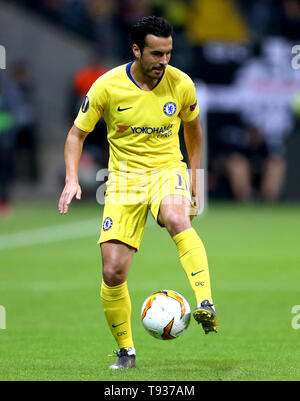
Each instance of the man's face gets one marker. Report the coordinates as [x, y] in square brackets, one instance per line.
[155, 56]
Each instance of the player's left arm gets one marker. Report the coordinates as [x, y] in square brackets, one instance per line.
[193, 141]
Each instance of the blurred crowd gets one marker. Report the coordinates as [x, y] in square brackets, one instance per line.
[107, 22]
[238, 50]
[18, 144]
[264, 17]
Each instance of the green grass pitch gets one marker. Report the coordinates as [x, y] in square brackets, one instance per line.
[55, 326]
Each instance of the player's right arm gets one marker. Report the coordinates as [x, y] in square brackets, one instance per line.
[73, 150]
[89, 114]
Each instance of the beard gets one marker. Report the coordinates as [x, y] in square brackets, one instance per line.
[153, 72]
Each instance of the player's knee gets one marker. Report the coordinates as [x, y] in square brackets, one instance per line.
[176, 222]
[114, 273]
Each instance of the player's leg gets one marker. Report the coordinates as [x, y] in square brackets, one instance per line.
[174, 214]
[116, 261]
[122, 231]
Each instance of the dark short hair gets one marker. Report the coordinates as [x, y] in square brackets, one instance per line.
[156, 26]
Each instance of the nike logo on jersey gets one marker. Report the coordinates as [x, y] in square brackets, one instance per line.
[194, 274]
[126, 108]
[117, 325]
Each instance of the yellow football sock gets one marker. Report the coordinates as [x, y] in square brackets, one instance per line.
[194, 261]
[117, 308]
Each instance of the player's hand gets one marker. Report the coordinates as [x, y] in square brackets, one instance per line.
[70, 190]
[196, 197]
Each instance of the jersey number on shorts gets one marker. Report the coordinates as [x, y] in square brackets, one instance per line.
[180, 183]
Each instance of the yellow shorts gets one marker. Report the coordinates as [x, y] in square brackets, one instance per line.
[129, 196]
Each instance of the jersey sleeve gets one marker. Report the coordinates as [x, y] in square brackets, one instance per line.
[190, 108]
[92, 107]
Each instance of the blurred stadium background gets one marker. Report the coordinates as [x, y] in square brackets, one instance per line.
[239, 53]
[242, 55]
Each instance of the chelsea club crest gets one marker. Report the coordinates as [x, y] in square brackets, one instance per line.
[107, 224]
[170, 109]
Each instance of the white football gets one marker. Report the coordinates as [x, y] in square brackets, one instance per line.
[166, 314]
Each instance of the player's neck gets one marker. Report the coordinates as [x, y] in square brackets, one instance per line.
[144, 82]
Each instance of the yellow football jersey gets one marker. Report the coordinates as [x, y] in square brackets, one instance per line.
[142, 126]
